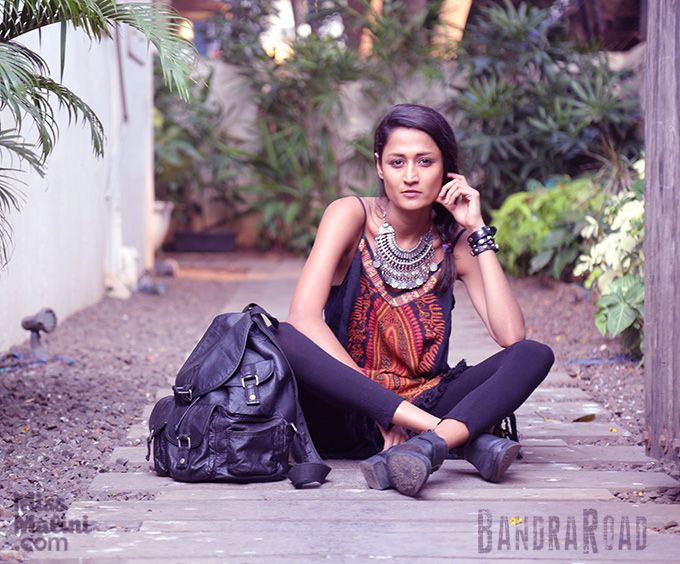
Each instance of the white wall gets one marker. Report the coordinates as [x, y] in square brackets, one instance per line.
[70, 231]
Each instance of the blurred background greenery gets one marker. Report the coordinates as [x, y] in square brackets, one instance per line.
[550, 131]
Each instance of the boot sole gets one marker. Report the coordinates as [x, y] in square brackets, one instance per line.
[507, 458]
[375, 472]
[408, 472]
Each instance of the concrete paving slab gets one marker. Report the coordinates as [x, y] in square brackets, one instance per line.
[593, 430]
[194, 513]
[584, 455]
[559, 379]
[353, 541]
[559, 394]
[480, 494]
[453, 476]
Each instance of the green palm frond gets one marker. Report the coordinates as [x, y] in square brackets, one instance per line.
[27, 92]
[75, 107]
[12, 148]
[18, 66]
[161, 26]
[97, 18]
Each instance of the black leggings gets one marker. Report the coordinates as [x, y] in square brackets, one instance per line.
[481, 396]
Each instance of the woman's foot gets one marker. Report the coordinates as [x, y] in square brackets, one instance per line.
[410, 464]
[491, 455]
[375, 472]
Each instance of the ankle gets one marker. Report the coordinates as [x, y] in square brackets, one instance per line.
[454, 432]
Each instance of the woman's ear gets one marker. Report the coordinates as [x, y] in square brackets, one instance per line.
[378, 166]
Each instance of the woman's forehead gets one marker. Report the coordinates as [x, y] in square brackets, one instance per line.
[410, 140]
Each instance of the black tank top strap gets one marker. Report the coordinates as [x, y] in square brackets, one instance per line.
[363, 206]
[457, 236]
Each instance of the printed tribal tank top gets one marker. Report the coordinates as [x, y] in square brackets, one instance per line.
[399, 338]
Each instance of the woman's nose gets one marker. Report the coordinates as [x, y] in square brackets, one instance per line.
[411, 173]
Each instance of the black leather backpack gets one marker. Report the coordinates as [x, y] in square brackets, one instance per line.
[234, 415]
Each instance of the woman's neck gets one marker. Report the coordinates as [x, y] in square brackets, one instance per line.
[409, 225]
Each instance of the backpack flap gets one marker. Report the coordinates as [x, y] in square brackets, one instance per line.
[252, 390]
[215, 358]
[186, 433]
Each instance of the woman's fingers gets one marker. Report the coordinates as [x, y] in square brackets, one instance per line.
[393, 437]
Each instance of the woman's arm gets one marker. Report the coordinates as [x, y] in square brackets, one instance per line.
[490, 293]
[338, 232]
[482, 275]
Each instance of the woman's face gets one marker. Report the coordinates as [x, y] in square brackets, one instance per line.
[411, 168]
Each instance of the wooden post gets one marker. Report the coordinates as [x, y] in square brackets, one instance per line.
[662, 230]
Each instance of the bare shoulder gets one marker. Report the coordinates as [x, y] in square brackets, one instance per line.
[342, 221]
[347, 207]
[461, 254]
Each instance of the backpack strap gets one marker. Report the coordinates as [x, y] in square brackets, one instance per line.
[255, 309]
[308, 473]
[310, 467]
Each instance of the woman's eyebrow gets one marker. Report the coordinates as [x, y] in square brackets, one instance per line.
[428, 153]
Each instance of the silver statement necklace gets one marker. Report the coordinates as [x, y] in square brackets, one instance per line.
[403, 268]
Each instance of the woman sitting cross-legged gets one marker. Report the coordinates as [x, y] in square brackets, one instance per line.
[369, 324]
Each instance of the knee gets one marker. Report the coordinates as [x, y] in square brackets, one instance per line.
[285, 334]
[538, 354]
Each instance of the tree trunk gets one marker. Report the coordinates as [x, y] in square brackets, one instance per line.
[299, 12]
[352, 24]
[662, 231]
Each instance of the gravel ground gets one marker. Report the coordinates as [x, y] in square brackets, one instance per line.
[61, 420]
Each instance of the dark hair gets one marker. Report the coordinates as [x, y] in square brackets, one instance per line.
[435, 125]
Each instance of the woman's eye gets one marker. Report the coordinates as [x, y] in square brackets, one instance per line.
[396, 162]
[426, 162]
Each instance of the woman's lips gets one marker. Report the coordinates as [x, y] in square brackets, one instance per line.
[410, 193]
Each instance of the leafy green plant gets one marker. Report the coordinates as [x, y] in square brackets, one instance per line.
[304, 161]
[297, 170]
[614, 264]
[535, 105]
[296, 180]
[404, 43]
[29, 95]
[621, 311]
[196, 159]
[540, 230]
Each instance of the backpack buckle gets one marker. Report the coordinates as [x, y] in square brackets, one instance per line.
[250, 387]
[183, 393]
[183, 451]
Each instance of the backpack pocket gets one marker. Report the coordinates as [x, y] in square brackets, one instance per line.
[157, 423]
[259, 451]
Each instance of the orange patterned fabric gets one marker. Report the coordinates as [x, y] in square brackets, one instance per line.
[400, 340]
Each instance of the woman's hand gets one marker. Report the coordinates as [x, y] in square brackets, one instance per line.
[395, 436]
[462, 201]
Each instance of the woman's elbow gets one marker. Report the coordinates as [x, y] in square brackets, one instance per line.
[512, 338]
[299, 320]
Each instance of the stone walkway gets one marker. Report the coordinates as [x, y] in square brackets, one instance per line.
[557, 503]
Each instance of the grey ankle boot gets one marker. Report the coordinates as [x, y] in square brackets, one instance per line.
[411, 463]
[374, 470]
[490, 454]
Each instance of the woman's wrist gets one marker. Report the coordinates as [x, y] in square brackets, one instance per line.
[475, 226]
[482, 240]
